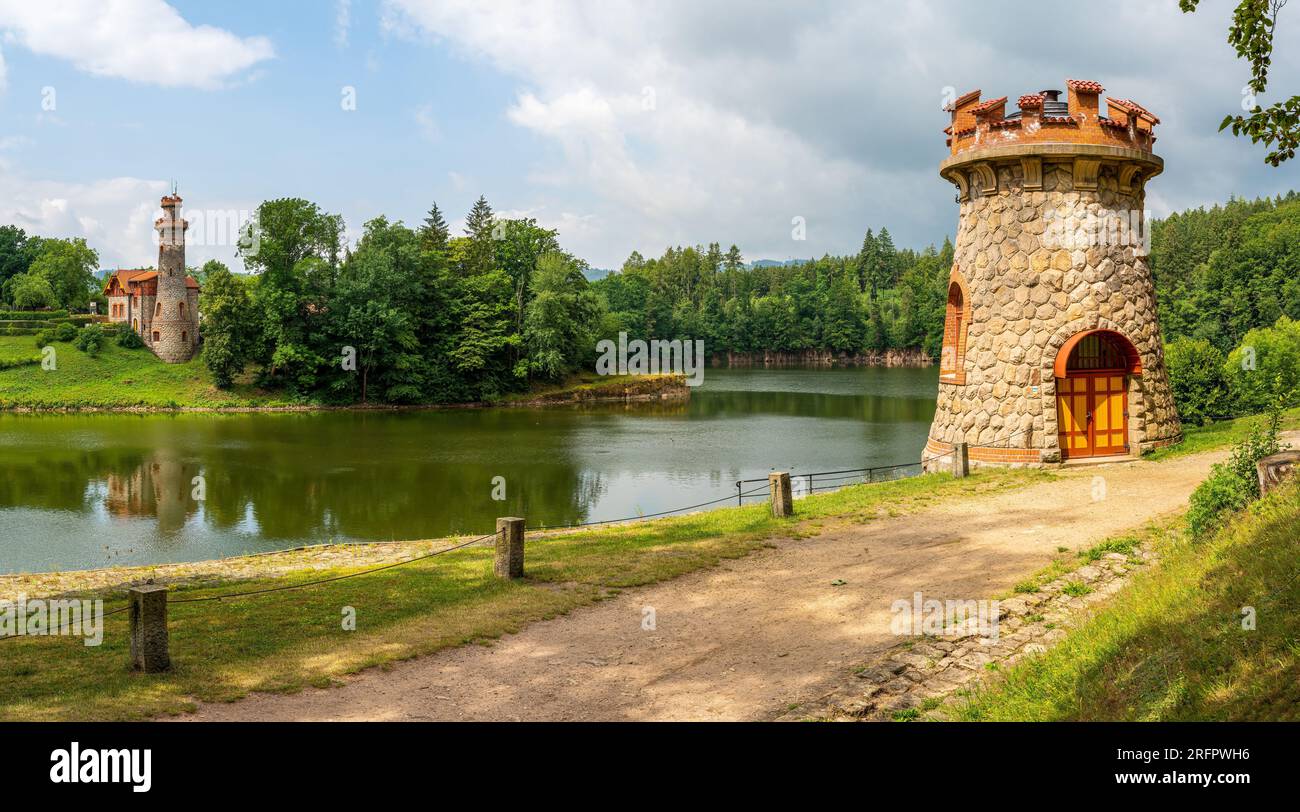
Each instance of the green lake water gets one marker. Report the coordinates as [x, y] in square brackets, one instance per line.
[82, 491]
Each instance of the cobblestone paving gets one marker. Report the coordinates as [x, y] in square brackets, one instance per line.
[932, 673]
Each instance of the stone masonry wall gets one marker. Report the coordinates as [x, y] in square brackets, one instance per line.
[1031, 288]
[176, 333]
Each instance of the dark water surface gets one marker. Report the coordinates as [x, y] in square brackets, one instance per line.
[94, 490]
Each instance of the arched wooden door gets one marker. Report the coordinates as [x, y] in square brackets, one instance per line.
[1092, 372]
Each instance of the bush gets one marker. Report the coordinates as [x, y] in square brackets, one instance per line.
[44, 338]
[129, 339]
[1197, 378]
[1234, 483]
[65, 332]
[89, 339]
[1267, 361]
[13, 363]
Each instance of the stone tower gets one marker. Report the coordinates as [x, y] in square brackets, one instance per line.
[174, 325]
[1051, 348]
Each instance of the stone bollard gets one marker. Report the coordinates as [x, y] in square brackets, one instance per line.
[782, 499]
[960, 460]
[1273, 469]
[149, 638]
[509, 561]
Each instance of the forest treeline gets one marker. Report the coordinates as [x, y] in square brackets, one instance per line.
[416, 314]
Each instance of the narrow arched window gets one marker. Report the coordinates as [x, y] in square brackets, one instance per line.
[952, 356]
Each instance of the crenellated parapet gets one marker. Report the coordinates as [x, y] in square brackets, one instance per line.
[984, 137]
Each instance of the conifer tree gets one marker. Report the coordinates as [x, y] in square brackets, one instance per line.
[434, 233]
[478, 227]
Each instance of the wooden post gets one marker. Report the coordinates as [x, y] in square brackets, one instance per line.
[509, 561]
[782, 500]
[149, 640]
[960, 460]
[1273, 469]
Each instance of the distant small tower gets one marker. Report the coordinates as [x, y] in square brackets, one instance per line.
[1051, 345]
[175, 324]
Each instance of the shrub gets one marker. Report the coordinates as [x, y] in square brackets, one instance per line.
[38, 315]
[65, 332]
[44, 338]
[1197, 378]
[129, 339]
[1234, 483]
[1268, 361]
[89, 339]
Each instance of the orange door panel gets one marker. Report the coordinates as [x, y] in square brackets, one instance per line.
[1071, 415]
[1109, 424]
[1091, 415]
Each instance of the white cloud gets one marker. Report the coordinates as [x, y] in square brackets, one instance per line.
[116, 217]
[139, 40]
[683, 122]
[641, 138]
[426, 123]
[4, 73]
[342, 22]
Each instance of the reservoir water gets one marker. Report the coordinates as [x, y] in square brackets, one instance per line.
[81, 491]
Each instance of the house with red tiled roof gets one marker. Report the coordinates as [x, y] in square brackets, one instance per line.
[133, 299]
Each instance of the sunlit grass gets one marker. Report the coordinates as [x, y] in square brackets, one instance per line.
[1172, 645]
[116, 378]
[1219, 435]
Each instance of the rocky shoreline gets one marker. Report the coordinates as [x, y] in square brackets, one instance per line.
[822, 358]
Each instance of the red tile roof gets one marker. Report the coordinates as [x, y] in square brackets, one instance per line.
[1133, 108]
[962, 99]
[1031, 100]
[984, 107]
[1083, 86]
[135, 276]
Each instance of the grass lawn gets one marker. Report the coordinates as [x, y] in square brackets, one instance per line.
[117, 378]
[284, 641]
[1220, 435]
[1171, 646]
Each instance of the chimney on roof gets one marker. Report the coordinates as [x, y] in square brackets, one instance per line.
[1052, 104]
[1083, 101]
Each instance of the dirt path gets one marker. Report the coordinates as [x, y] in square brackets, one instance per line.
[747, 638]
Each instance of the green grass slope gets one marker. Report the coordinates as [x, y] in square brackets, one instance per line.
[116, 378]
[1172, 645]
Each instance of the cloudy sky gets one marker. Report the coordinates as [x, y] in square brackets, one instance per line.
[626, 125]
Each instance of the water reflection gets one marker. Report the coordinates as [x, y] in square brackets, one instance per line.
[97, 489]
[159, 488]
